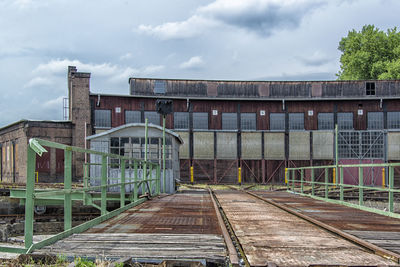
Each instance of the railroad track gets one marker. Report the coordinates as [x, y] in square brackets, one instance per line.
[267, 233]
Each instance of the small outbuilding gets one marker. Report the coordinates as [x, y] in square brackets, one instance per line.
[129, 140]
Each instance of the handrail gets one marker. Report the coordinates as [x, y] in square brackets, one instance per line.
[87, 194]
[296, 185]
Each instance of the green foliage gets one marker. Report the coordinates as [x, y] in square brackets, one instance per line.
[370, 54]
[79, 262]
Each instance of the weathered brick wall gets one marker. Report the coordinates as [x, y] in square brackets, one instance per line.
[80, 114]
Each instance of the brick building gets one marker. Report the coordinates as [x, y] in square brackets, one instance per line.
[261, 126]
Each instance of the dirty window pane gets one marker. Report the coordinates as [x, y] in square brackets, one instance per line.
[248, 121]
[296, 121]
[277, 121]
[345, 120]
[181, 120]
[200, 120]
[102, 118]
[325, 121]
[132, 116]
[393, 120]
[375, 120]
[153, 117]
[229, 121]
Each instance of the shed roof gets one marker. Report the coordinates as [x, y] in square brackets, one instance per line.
[139, 125]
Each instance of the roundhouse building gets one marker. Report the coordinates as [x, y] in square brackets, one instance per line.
[260, 126]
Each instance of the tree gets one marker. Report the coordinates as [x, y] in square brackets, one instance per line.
[370, 54]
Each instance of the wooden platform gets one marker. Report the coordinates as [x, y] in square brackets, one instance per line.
[175, 227]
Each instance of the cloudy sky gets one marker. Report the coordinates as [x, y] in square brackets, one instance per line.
[185, 39]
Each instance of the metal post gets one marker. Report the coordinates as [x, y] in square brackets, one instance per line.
[326, 182]
[383, 177]
[158, 181]
[391, 185]
[341, 185]
[312, 183]
[301, 181]
[150, 177]
[103, 185]
[240, 175]
[286, 178]
[293, 175]
[135, 180]
[29, 200]
[163, 171]
[67, 187]
[334, 177]
[191, 175]
[122, 196]
[336, 153]
[144, 166]
[360, 184]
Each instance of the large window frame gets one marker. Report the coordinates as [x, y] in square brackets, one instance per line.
[326, 121]
[296, 121]
[248, 121]
[102, 118]
[229, 121]
[277, 121]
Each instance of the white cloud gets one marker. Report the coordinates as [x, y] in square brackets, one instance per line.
[192, 63]
[152, 69]
[318, 58]
[54, 103]
[57, 66]
[126, 56]
[38, 81]
[259, 16]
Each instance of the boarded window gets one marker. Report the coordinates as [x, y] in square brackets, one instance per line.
[229, 121]
[200, 120]
[375, 120]
[181, 120]
[159, 87]
[393, 120]
[277, 121]
[153, 117]
[248, 121]
[132, 116]
[102, 118]
[345, 120]
[325, 121]
[296, 121]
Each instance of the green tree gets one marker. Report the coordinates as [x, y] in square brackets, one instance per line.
[370, 54]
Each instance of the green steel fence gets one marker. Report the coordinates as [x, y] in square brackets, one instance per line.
[97, 196]
[297, 179]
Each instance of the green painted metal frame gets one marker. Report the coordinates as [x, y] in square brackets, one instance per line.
[294, 183]
[31, 197]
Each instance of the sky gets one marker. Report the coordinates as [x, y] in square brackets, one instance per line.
[177, 39]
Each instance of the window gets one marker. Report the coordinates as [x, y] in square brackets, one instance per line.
[181, 120]
[325, 121]
[102, 118]
[375, 120]
[229, 121]
[248, 121]
[277, 121]
[159, 87]
[345, 120]
[393, 120]
[370, 88]
[200, 120]
[296, 121]
[132, 116]
[153, 117]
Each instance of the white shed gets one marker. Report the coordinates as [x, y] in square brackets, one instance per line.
[129, 140]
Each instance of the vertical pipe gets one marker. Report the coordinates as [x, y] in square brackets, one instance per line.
[326, 182]
[240, 175]
[391, 185]
[341, 184]
[163, 171]
[360, 184]
[67, 187]
[29, 200]
[103, 185]
[334, 177]
[150, 178]
[286, 178]
[301, 181]
[122, 196]
[158, 180]
[263, 170]
[312, 183]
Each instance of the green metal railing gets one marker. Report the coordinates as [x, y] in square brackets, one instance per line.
[97, 196]
[297, 185]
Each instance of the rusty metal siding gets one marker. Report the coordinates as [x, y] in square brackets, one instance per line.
[237, 89]
[290, 89]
